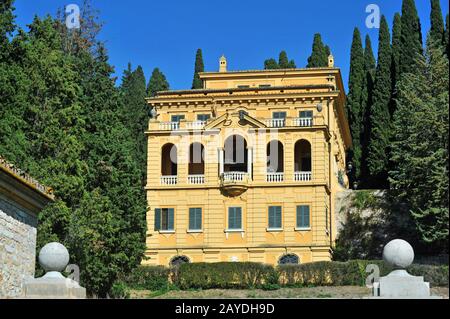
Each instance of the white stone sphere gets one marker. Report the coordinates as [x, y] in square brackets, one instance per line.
[54, 257]
[398, 253]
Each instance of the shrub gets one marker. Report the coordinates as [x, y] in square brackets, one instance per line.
[119, 290]
[149, 278]
[437, 276]
[225, 275]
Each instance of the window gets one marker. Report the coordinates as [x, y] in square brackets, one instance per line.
[279, 115]
[264, 86]
[303, 217]
[275, 217]
[306, 114]
[289, 259]
[195, 219]
[178, 260]
[234, 218]
[164, 219]
[177, 118]
[243, 86]
[203, 117]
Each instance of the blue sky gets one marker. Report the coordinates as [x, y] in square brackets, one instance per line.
[166, 34]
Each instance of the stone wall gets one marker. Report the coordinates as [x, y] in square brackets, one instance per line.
[17, 248]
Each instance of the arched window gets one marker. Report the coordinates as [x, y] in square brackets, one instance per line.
[235, 154]
[302, 156]
[178, 260]
[196, 159]
[289, 259]
[275, 157]
[169, 160]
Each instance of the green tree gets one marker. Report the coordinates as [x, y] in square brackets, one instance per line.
[411, 37]
[354, 100]
[319, 55]
[437, 22]
[199, 67]
[380, 119]
[396, 54]
[446, 36]
[7, 25]
[283, 61]
[271, 64]
[157, 83]
[419, 177]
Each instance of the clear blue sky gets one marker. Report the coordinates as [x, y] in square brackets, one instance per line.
[166, 34]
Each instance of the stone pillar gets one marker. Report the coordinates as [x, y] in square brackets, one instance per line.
[54, 258]
[249, 162]
[221, 161]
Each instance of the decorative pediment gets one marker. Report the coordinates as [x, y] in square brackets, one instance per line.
[234, 120]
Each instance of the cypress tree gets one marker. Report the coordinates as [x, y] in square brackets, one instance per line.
[354, 99]
[157, 83]
[319, 56]
[380, 124]
[446, 36]
[396, 53]
[411, 37]
[437, 22]
[271, 64]
[199, 67]
[283, 61]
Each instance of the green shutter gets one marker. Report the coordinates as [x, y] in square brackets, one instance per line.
[303, 216]
[271, 217]
[238, 218]
[231, 213]
[234, 218]
[278, 217]
[195, 218]
[275, 217]
[157, 219]
[306, 216]
[171, 219]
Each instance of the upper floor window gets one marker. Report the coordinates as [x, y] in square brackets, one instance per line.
[279, 115]
[164, 219]
[195, 219]
[243, 86]
[303, 217]
[264, 86]
[306, 114]
[275, 217]
[177, 118]
[235, 218]
[203, 117]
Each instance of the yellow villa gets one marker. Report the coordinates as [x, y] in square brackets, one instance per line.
[247, 168]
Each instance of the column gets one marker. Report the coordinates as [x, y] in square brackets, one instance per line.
[249, 162]
[221, 161]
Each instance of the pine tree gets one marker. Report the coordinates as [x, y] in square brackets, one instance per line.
[396, 54]
[419, 177]
[157, 83]
[354, 99]
[437, 22]
[366, 103]
[199, 67]
[380, 119]
[319, 55]
[271, 64]
[6, 25]
[411, 37]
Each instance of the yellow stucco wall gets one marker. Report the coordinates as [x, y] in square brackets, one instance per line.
[290, 92]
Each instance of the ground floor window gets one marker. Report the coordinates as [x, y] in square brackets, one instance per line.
[275, 217]
[164, 219]
[303, 216]
[234, 218]
[195, 218]
[289, 259]
[178, 260]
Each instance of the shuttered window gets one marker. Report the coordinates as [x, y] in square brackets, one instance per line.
[306, 114]
[164, 219]
[275, 217]
[279, 115]
[303, 216]
[177, 118]
[195, 218]
[234, 218]
[203, 117]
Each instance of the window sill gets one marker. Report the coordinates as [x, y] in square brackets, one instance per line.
[234, 230]
[302, 228]
[166, 231]
[274, 230]
[194, 231]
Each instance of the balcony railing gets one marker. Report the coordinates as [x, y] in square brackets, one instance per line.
[276, 122]
[302, 176]
[196, 125]
[230, 177]
[169, 126]
[174, 126]
[196, 179]
[169, 180]
[303, 121]
[275, 177]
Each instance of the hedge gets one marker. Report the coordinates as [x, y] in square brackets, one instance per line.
[248, 275]
[225, 275]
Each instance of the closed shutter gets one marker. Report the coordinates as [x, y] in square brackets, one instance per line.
[157, 219]
[303, 216]
[171, 219]
[195, 218]
[275, 217]
[234, 218]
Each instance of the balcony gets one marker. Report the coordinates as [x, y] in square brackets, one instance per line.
[196, 179]
[290, 122]
[234, 183]
[275, 177]
[175, 126]
[302, 176]
[169, 180]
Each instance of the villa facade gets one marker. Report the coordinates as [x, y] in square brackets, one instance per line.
[247, 168]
